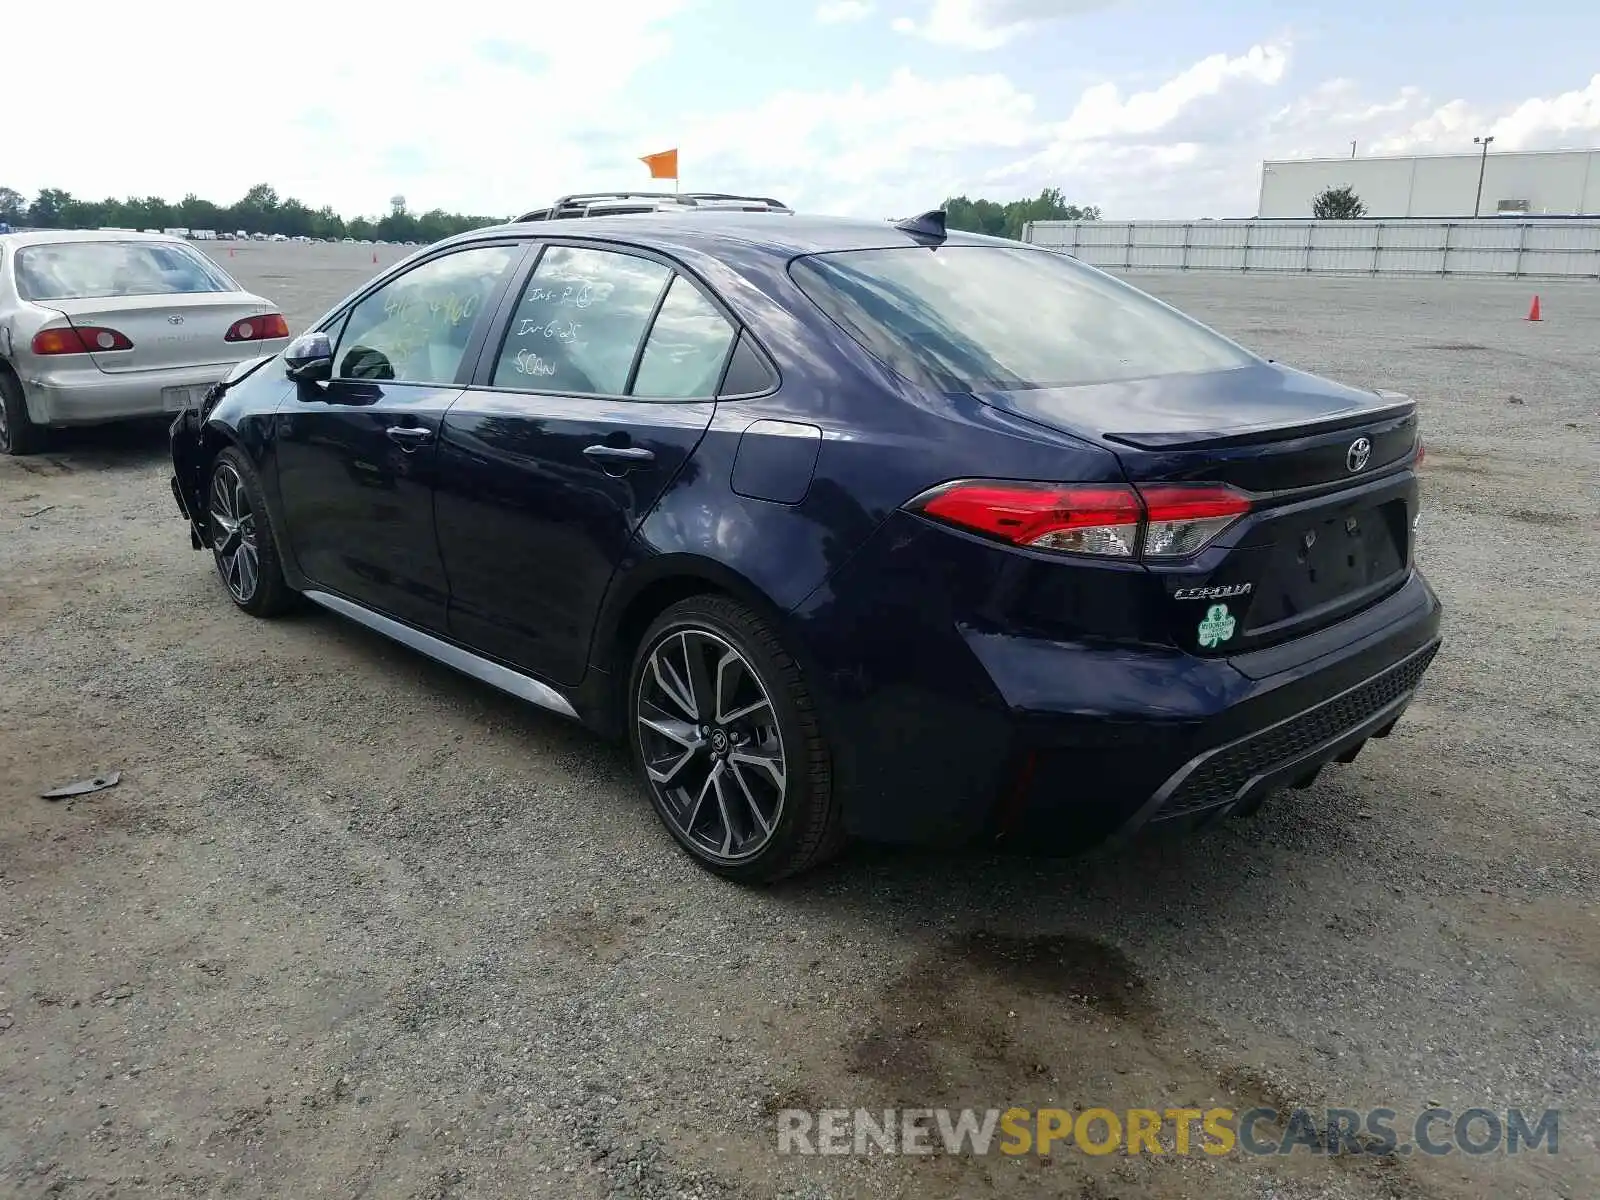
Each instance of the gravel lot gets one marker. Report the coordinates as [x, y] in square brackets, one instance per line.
[353, 925]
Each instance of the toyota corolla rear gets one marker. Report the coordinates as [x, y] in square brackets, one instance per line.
[1217, 600]
[110, 329]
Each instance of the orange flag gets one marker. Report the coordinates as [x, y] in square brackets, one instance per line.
[663, 165]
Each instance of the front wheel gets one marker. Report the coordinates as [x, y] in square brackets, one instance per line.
[241, 537]
[724, 732]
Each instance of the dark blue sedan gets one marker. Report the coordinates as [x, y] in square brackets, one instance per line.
[848, 527]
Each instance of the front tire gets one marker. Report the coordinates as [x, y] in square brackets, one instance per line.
[241, 537]
[18, 434]
[725, 736]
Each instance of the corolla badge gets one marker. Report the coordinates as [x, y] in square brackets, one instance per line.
[1221, 591]
[1357, 456]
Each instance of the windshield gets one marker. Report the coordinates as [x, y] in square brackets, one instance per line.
[96, 270]
[984, 318]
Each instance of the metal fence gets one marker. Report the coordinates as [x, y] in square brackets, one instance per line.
[1494, 246]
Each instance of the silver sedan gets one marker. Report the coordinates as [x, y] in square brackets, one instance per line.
[110, 326]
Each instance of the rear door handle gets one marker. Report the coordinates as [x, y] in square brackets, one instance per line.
[629, 454]
[409, 436]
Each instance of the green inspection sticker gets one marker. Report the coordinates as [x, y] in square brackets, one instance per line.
[1217, 627]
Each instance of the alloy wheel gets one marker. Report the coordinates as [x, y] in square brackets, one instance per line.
[233, 533]
[711, 746]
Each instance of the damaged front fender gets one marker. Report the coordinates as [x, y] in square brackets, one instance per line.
[192, 453]
[189, 461]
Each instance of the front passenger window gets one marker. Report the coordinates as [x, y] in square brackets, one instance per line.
[415, 328]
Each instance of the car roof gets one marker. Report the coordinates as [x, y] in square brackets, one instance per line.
[36, 237]
[781, 233]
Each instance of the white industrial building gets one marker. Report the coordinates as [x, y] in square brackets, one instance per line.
[1556, 183]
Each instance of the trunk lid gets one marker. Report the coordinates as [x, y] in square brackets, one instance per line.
[1329, 470]
[175, 330]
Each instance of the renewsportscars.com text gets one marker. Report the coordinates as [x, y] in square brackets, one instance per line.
[1177, 1131]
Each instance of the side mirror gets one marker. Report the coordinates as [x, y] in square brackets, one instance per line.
[309, 358]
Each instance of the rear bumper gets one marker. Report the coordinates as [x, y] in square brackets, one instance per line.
[1235, 731]
[89, 397]
[1238, 775]
[1050, 744]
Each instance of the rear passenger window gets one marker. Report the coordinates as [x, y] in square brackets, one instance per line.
[687, 347]
[578, 323]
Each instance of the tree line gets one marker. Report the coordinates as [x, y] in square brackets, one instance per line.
[999, 219]
[261, 210]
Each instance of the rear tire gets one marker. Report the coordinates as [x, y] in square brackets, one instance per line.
[241, 536]
[725, 737]
[18, 434]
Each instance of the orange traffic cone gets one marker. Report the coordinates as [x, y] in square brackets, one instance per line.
[1533, 311]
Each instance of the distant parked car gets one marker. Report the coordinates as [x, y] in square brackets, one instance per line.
[847, 527]
[98, 327]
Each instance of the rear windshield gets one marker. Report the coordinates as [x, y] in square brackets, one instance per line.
[94, 270]
[976, 318]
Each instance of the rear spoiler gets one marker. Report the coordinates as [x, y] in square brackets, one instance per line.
[1398, 404]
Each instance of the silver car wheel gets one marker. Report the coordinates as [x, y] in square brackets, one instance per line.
[233, 533]
[711, 746]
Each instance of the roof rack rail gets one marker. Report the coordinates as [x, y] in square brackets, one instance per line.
[765, 201]
[579, 203]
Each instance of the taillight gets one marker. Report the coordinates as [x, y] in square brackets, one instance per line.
[84, 339]
[1183, 519]
[1101, 519]
[1156, 521]
[257, 329]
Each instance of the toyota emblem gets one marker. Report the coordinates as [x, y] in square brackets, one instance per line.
[1356, 457]
[174, 319]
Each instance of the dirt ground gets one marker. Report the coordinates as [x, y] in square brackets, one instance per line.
[352, 925]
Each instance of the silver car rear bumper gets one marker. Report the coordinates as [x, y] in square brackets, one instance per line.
[89, 397]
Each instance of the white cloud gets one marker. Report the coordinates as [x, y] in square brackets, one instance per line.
[334, 108]
[1539, 123]
[1102, 112]
[1144, 152]
[1194, 146]
[483, 110]
[1190, 146]
[989, 24]
[864, 150]
[839, 12]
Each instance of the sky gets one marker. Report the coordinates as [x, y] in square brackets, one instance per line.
[1145, 108]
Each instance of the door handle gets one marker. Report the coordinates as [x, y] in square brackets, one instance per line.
[409, 436]
[623, 454]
